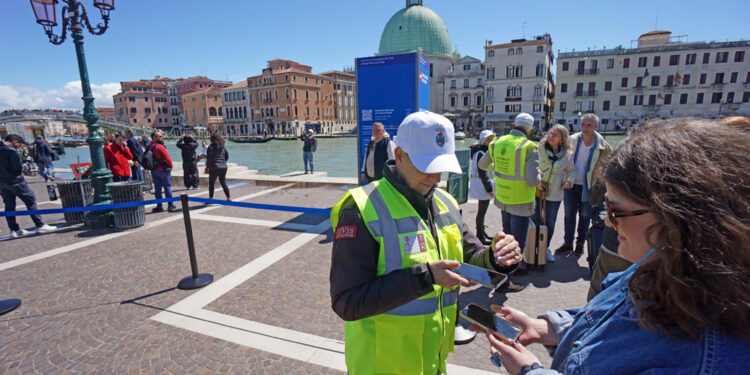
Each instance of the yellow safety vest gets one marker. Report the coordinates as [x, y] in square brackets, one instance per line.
[509, 155]
[414, 338]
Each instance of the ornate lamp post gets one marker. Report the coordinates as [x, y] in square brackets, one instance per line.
[74, 17]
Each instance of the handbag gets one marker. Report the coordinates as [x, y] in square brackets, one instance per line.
[207, 170]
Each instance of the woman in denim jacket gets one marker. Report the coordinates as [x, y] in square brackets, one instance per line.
[678, 193]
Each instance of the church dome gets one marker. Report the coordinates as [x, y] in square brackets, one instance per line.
[412, 28]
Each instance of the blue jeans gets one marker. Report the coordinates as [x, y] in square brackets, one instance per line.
[136, 173]
[551, 209]
[45, 169]
[23, 191]
[307, 158]
[162, 179]
[518, 226]
[573, 206]
[120, 178]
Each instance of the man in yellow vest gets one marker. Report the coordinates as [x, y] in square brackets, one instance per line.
[516, 169]
[396, 241]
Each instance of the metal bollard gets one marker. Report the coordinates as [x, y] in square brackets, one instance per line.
[196, 280]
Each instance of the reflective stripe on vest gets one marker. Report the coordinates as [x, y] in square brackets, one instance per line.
[424, 306]
[519, 160]
[512, 188]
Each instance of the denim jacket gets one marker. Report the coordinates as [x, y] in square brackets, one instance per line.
[620, 346]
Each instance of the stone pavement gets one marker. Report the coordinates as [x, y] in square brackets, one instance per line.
[105, 302]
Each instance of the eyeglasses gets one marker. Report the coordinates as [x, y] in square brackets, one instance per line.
[614, 214]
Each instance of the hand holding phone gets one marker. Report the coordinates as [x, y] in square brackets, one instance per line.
[481, 276]
[489, 321]
[506, 249]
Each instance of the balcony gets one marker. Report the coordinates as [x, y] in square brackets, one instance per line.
[733, 106]
[586, 72]
[586, 93]
[718, 86]
[638, 88]
[538, 98]
[669, 87]
[652, 107]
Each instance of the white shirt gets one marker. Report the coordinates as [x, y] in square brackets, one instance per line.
[583, 158]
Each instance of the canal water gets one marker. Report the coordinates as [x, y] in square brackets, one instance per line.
[336, 156]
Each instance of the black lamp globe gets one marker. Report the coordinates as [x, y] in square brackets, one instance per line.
[44, 10]
[105, 6]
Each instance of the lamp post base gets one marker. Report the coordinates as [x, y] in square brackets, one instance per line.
[102, 219]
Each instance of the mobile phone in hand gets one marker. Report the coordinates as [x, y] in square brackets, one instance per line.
[481, 276]
[492, 322]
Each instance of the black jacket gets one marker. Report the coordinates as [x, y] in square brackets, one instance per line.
[311, 144]
[134, 145]
[217, 157]
[188, 147]
[356, 290]
[43, 152]
[380, 157]
[10, 165]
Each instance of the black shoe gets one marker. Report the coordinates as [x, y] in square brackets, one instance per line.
[172, 208]
[564, 249]
[157, 209]
[510, 287]
[579, 249]
[522, 269]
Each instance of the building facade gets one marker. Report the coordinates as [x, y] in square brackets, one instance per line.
[143, 103]
[463, 94]
[203, 109]
[344, 100]
[660, 78]
[519, 79]
[235, 100]
[183, 86]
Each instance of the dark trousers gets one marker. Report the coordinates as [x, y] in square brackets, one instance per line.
[551, 208]
[162, 180]
[518, 226]
[23, 191]
[190, 174]
[120, 178]
[221, 173]
[574, 205]
[481, 213]
[137, 173]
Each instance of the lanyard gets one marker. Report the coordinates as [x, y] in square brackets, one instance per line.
[616, 305]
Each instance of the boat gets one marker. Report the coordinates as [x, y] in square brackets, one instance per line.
[58, 147]
[72, 142]
[459, 135]
[250, 139]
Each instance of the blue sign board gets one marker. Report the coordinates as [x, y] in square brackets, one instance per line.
[389, 88]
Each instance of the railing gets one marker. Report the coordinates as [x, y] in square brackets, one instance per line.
[538, 98]
[638, 88]
[585, 93]
[582, 72]
[652, 107]
[669, 87]
[718, 86]
[732, 106]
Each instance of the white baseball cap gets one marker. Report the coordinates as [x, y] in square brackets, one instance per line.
[428, 139]
[525, 121]
[485, 133]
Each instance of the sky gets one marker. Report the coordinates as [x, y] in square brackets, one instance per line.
[233, 39]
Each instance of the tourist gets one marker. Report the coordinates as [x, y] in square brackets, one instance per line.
[117, 155]
[162, 172]
[13, 185]
[684, 306]
[590, 152]
[558, 174]
[516, 178]
[145, 142]
[310, 145]
[216, 164]
[134, 145]
[379, 152]
[481, 184]
[44, 156]
[389, 282]
[190, 176]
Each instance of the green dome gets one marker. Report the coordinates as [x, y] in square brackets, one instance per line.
[414, 27]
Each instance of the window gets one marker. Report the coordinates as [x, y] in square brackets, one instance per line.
[608, 86]
[623, 99]
[539, 49]
[719, 78]
[579, 88]
[722, 57]
[654, 81]
[716, 97]
[674, 60]
[652, 99]
[624, 82]
[565, 66]
[466, 83]
[148, 111]
[513, 108]
[639, 82]
[491, 73]
[491, 53]
[703, 79]
[466, 100]
[538, 91]
[686, 79]
[431, 70]
[610, 63]
[509, 72]
[730, 97]
[519, 51]
[690, 59]
[747, 78]
[605, 105]
[683, 98]
[479, 82]
[537, 107]
[733, 77]
[145, 98]
[453, 83]
[626, 63]
[638, 100]
[479, 101]
[657, 60]
[578, 106]
[667, 99]
[133, 110]
[706, 57]
[563, 106]
[511, 52]
[490, 93]
[746, 97]
[739, 56]
[539, 70]
[563, 87]
[590, 106]
[513, 91]
[467, 67]
[642, 61]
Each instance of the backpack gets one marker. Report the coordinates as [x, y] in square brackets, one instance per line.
[148, 160]
[32, 151]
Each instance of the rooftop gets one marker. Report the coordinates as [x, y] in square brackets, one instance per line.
[415, 28]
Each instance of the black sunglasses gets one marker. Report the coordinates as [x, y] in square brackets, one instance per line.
[614, 214]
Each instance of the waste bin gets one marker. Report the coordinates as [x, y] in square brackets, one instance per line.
[127, 191]
[458, 184]
[75, 193]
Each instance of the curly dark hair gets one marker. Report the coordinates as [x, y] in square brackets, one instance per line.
[217, 139]
[693, 175]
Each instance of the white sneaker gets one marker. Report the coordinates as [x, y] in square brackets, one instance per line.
[463, 336]
[18, 233]
[550, 257]
[46, 228]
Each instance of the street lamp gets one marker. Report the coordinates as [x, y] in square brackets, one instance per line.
[74, 17]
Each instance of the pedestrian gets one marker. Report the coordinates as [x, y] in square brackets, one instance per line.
[190, 176]
[44, 155]
[310, 145]
[558, 174]
[396, 241]
[136, 171]
[678, 194]
[162, 172]
[480, 184]
[13, 185]
[216, 164]
[145, 142]
[516, 169]
[379, 152]
[117, 155]
[590, 152]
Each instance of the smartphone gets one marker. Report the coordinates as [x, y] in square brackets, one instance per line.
[481, 276]
[492, 322]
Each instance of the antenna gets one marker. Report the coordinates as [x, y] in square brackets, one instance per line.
[523, 29]
[656, 23]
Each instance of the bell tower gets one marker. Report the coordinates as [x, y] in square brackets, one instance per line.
[413, 2]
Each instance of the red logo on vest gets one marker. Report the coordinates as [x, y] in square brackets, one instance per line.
[345, 232]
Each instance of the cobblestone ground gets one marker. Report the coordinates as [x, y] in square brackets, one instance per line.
[88, 310]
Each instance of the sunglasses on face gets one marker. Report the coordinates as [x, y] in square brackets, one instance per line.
[614, 214]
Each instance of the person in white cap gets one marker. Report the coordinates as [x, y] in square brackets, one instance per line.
[480, 183]
[516, 169]
[395, 243]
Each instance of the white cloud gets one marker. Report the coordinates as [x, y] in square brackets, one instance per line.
[66, 97]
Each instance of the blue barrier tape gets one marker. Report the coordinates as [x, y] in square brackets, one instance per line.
[88, 208]
[307, 210]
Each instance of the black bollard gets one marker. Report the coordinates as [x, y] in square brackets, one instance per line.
[8, 305]
[196, 280]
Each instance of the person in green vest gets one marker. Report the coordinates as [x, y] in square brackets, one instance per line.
[516, 168]
[396, 241]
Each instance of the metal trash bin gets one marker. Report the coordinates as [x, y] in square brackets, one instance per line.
[75, 193]
[458, 184]
[127, 191]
